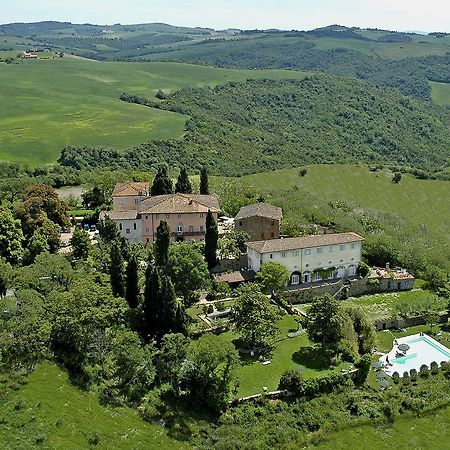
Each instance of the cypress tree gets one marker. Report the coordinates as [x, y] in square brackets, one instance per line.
[173, 312]
[183, 183]
[204, 183]
[117, 270]
[162, 184]
[162, 244]
[132, 287]
[211, 238]
[152, 308]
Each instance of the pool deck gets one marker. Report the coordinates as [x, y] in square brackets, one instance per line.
[423, 350]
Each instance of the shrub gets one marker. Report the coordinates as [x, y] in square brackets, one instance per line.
[302, 172]
[405, 377]
[94, 438]
[424, 372]
[292, 381]
[363, 269]
[220, 306]
[413, 373]
[397, 177]
[210, 309]
[396, 377]
[434, 366]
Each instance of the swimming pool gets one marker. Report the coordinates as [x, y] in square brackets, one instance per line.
[423, 350]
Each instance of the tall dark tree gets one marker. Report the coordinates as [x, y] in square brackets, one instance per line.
[162, 244]
[174, 319]
[93, 198]
[162, 184]
[152, 307]
[204, 183]
[211, 238]
[183, 183]
[117, 270]
[132, 288]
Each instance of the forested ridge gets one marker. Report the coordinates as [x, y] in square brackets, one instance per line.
[241, 128]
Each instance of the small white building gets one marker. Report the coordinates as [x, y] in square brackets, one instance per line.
[310, 258]
[128, 222]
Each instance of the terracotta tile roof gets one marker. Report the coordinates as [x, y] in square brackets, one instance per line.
[277, 245]
[238, 276]
[130, 189]
[260, 210]
[119, 215]
[179, 203]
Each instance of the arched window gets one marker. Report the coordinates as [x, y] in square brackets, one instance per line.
[351, 270]
[295, 277]
[340, 272]
[306, 276]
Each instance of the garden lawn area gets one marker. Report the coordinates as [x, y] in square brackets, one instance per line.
[49, 412]
[290, 353]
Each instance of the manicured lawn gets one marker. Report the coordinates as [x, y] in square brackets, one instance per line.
[48, 412]
[290, 353]
[47, 105]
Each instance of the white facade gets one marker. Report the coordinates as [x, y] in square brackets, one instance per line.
[130, 229]
[310, 263]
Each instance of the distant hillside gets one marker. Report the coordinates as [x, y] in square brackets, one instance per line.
[406, 61]
[241, 128]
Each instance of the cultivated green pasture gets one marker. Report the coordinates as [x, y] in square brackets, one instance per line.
[49, 412]
[47, 105]
[419, 202]
[440, 93]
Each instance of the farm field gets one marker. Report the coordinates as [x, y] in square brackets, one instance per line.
[48, 105]
[50, 412]
[440, 93]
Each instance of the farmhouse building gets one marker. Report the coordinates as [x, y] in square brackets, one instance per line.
[310, 258]
[128, 196]
[260, 221]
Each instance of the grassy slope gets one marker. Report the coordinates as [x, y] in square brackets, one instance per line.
[418, 201]
[440, 93]
[430, 432]
[61, 416]
[50, 104]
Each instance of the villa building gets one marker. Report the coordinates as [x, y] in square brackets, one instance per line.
[184, 213]
[260, 221]
[138, 216]
[310, 258]
[128, 196]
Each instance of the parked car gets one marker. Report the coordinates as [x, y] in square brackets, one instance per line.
[86, 227]
[93, 228]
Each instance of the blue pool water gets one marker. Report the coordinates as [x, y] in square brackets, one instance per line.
[431, 344]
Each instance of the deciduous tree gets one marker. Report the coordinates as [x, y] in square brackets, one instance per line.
[273, 276]
[81, 244]
[255, 318]
[11, 236]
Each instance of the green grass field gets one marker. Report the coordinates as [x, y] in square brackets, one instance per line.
[440, 93]
[422, 202]
[48, 412]
[407, 433]
[51, 104]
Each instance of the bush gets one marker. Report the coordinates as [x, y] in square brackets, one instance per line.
[413, 374]
[396, 377]
[405, 377]
[424, 372]
[94, 438]
[434, 366]
[363, 269]
[397, 177]
[292, 381]
[220, 306]
[302, 172]
[210, 309]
